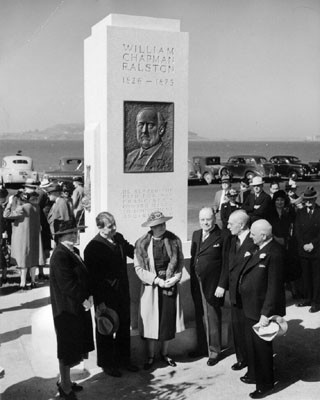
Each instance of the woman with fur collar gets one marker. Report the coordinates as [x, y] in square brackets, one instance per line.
[158, 264]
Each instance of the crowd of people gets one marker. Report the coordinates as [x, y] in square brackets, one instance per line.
[251, 243]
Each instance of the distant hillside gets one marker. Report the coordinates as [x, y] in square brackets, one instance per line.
[65, 132]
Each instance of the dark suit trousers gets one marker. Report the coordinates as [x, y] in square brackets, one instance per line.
[238, 330]
[311, 279]
[212, 319]
[260, 357]
[197, 299]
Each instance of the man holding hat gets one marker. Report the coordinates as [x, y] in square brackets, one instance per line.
[221, 198]
[258, 203]
[262, 295]
[307, 233]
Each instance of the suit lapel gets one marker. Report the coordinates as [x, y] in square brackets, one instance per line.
[211, 239]
[256, 258]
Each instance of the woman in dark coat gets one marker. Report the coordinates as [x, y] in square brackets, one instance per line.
[71, 302]
[105, 256]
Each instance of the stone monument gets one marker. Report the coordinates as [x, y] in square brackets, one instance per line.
[136, 122]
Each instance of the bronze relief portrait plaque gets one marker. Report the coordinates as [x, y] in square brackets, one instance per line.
[148, 137]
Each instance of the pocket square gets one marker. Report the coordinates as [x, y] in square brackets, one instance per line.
[216, 245]
[247, 254]
[262, 266]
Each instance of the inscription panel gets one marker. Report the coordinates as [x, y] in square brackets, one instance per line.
[139, 203]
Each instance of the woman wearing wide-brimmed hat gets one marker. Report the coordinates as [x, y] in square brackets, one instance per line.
[106, 258]
[71, 303]
[158, 264]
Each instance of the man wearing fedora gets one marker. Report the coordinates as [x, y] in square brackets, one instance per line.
[257, 204]
[206, 275]
[221, 198]
[61, 209]
[307, 233]
[262, 295]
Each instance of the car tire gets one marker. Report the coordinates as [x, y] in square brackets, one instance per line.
[249, 175]
[208, 178]
[293, 175]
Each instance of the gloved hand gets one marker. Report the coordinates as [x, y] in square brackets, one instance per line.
[171, 281]
[159, 282]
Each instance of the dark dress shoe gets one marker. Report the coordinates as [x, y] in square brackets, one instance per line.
[260, 393]
[246, 379]
[113, 372]
[74, 386]
[149, 364]
[131, 368]
[169, 360]
[238, 365]
[212, 361]
[66, 396]
[314, 309]
[304, 304]
[23, 288]
[33, 285]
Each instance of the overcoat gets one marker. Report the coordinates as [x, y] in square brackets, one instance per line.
[26, 246]
[148, 322]
[69, 287]
[261, 283]
[107, 265]
[307, 230]
[264, 203]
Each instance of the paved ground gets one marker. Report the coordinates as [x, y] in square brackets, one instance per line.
[28, 354]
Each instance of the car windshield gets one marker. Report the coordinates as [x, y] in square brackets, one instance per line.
[294, 160]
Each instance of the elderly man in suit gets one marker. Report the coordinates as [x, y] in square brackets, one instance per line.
[258, 203]
[307, 233]
[240, 246]
[261, 290]
[206, 272]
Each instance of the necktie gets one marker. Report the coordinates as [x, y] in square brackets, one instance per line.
[237, 244]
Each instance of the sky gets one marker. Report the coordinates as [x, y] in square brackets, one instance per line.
[254, 65]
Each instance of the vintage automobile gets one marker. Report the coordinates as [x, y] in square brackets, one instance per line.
[17, 169]
[194, 177]
[315, 165]
[69, 167]
[291, 167]
[248, 166]
[209, 168]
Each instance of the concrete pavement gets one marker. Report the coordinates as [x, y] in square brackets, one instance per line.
[29, 356]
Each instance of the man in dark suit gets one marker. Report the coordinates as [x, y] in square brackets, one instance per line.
[240, 246]
[257, 204]
[206, 272]
[307, 233]
[262, 294]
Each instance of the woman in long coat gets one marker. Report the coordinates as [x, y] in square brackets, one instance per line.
[71, 303]
[26, 247]
[105, 257]
[158, 264]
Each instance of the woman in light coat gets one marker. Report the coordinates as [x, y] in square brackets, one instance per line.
[26, 247]
[158, 264]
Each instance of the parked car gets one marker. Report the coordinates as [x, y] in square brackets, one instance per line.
[315, 165]
[248, 166]
[193, 175]
[17, 169]
[291, 167]
[209, 168]
[69, 167]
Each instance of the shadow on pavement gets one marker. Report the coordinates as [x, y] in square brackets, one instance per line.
[297, 355]
[29, 304]
[34, 388]
[15, 334]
